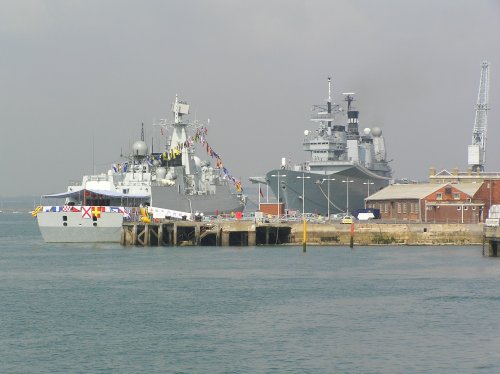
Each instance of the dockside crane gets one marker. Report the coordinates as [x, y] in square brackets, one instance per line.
[477, 150]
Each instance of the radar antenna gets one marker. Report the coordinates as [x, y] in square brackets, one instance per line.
[477, 150]
[349, 97]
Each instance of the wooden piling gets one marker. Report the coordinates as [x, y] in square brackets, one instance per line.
[134, 234]
[252, 238]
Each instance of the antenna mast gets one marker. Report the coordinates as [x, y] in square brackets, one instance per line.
[329, 102]
[477, 150]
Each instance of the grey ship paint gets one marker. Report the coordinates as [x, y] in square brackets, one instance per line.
[175, 180]
[344, 167]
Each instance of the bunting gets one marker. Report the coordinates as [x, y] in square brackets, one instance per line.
[199, 137]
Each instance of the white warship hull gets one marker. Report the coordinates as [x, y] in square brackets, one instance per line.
[71, 227]
[316, 191]
[175, 182]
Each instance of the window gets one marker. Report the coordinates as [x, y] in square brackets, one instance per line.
[456, 196]
[386, 208]
[411, 207]
[466, 207]
[459, 207]
[404, 207]
[416, 207]
[447, 191]
[439, 196]
[473, 208]
[399, 207]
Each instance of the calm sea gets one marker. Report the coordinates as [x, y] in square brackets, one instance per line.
[111, 309]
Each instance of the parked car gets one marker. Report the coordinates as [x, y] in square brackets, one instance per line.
[347, 219]
[336, 217]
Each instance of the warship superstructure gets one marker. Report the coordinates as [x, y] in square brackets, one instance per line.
[174, 183]
[345, 165]
[183, 181]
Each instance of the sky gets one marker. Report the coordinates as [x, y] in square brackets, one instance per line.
[77, 79]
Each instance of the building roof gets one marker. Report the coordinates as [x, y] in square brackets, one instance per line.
[420, 190]
[469, 188]
[104, 193]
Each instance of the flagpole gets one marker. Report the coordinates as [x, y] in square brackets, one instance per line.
[259, 195]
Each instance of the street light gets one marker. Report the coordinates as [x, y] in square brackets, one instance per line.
[368, 182]
[279, 188]
[304, 231]
[347, 181]
[368, 185]
[328, 179]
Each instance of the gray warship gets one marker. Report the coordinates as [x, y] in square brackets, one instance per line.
[183, 181]
[345, 165]
[174, 183]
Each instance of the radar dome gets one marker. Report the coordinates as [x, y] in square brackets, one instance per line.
[140, 148]
[367, 131]
[161, 172]
[377, 131]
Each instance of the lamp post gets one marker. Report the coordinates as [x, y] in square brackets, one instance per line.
[368, 185]
[279, 188]
[347, 181]
[328, 194]
[368, 182]
[304, 230]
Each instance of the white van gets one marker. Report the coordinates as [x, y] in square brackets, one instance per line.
[365, 216]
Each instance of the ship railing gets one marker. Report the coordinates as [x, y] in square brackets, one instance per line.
[310, 218]
[97, 178]
[131, 183]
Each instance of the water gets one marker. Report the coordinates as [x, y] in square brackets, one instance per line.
[110, 309]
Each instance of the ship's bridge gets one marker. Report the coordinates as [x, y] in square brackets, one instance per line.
[324, 149]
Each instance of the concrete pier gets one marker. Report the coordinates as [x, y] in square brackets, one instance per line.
[182, 233]
[251, 233]
[492, 240]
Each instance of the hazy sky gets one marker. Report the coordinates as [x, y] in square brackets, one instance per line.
[71, 71]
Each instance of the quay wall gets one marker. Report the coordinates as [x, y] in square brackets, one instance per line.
[402, 234]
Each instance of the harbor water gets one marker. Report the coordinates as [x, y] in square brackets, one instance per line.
[112, 309]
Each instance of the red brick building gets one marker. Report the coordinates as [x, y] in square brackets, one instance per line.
[431, 202]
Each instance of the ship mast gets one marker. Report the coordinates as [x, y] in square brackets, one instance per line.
[352, 117]
[329, 102]
[179, 134]
[477, 150]
[349, 98]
